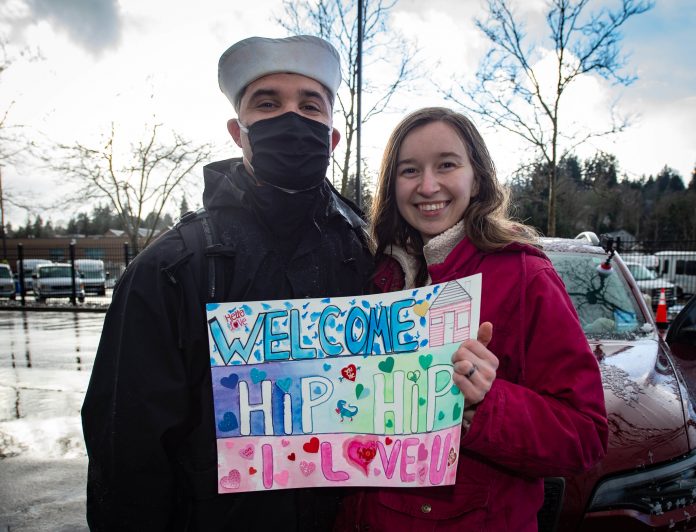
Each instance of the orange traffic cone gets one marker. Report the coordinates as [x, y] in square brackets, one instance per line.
[661, 314]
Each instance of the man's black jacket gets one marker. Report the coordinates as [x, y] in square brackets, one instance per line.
[148, 413]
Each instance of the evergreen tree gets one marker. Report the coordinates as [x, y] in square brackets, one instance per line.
[183, 206]
[37, 227]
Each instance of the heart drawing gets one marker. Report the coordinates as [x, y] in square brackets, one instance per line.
[387, 365]
[282, 477]
[312, 446]
[230, 381]
[307, 468]
[360, 451]
[425, 361]
[228, 423]
[247, 452]
[421, 308]
[349, 372]
[257, 375]
[231, 481]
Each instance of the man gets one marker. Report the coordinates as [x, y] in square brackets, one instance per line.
[273, 228]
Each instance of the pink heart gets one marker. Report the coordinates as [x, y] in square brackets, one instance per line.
[422, 472]
[452, 457]
[361, 451]
[285, 442]
[377, 472]
[229, 444]
[282, 478]
[422, 453]
[231, 481]
[247, 452]
[307, 468]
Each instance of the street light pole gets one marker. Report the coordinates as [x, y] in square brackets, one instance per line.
[358, 187]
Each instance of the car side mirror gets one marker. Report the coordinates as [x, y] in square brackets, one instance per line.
[108, 274]
[34, 275]
[681, 336]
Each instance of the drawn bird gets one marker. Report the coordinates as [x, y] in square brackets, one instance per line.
[346, 410]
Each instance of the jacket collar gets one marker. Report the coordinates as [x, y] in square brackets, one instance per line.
[227, 183]
[465, 257]
[438, 248]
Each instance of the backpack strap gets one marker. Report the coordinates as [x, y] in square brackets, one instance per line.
[198, 234]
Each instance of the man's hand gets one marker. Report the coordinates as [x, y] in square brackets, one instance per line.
[474, 368]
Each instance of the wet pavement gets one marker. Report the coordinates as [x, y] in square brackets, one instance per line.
[45, 362]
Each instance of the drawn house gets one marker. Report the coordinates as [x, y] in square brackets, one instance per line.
[450, 315]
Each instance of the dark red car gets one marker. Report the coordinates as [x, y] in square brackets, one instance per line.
[647, 481]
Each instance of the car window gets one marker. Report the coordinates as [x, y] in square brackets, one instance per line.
[604, 302]
[681, 335]
[641, 273]
[54, 272]
[5, 273]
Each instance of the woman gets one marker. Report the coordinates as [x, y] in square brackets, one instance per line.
[532, 388]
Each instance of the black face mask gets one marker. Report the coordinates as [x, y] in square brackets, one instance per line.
[290, 151]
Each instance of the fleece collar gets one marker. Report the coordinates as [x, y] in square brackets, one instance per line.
[435, 252]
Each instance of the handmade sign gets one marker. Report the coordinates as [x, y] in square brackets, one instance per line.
[349, 391]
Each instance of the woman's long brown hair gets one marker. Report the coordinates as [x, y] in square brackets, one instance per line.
[486, 219]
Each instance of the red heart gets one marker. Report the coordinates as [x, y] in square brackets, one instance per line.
[291, 457]
[349, 372]
[388, 440]
[360, 451]
[312, 446]
[252, 470]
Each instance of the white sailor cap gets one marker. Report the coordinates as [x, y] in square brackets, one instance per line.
[255, 57]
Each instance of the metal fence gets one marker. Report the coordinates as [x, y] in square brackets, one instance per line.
[671, 260]
[96, 264]
[76, 271]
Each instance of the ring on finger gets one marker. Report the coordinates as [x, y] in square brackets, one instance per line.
[469, 373]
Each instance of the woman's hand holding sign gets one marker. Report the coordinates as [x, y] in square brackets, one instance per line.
[475, 369]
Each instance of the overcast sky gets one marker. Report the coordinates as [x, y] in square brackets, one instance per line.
[127, 61]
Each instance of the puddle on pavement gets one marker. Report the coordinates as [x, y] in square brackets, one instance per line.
[45, 362]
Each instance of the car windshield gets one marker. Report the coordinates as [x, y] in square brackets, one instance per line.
[604, 302]
[5, 273]
[640, 272]
[54, 271]
[92, 274]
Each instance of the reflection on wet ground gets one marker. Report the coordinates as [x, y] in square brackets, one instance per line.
[45, 362]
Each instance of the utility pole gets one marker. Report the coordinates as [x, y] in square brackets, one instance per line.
[358, 187]
[2, 219]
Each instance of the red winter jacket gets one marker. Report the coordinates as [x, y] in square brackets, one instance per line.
[544, 415]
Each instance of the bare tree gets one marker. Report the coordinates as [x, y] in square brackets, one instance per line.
[384, 51]
[510, 93]
[136, 181]
[14, 144]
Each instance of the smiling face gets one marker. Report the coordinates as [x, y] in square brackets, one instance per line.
[434, 179]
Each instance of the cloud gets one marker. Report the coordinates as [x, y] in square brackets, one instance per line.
[94, 25]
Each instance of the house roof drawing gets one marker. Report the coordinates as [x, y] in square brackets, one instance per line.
[452, 293]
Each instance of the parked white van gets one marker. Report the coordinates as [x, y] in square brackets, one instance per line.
[7, 285]
[651, 262]
[651, 284]
[55, 280]
[30, 266]
[679, 267]
[93, 275]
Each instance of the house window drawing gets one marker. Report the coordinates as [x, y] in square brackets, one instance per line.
[450, 315]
